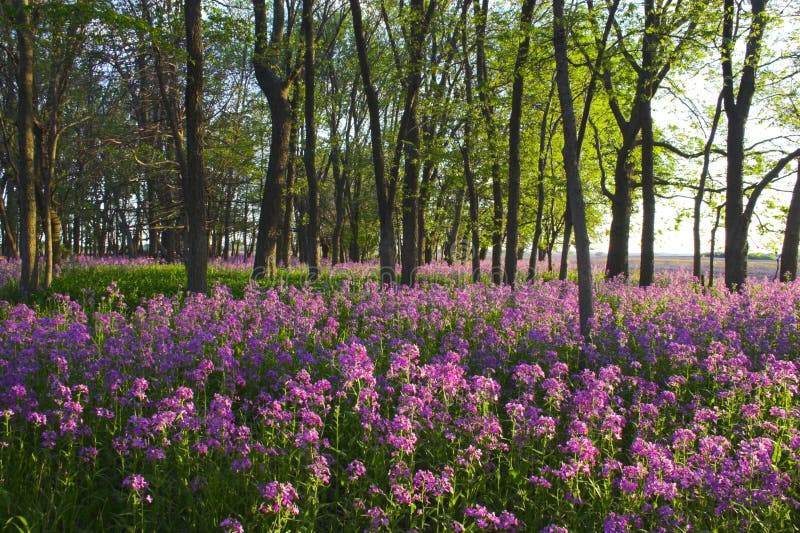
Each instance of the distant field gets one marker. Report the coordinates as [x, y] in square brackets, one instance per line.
[757, 268]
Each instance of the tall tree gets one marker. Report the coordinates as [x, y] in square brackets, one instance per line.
[466, 154]
[310, 153]
[275, 86]
[701, 190]
[514, 132]
[650, 40]
[574, 186]
[25, 167]
[67, 41]
[487, 112]
[541, 167]
[194, 180]
[737, 105]
[737, 109]
[663, 38]
[416, 31]
[601, 45]
[791, 235]
[386, 189]
[8, 237]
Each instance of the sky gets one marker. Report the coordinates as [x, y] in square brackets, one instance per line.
[675, 121]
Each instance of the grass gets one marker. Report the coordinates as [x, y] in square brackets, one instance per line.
[137, 283]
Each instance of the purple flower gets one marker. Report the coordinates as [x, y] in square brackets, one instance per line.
[356, 469]
[379, 518]
[231, 525]
[540, 482]
[135, 482]
[280, 497]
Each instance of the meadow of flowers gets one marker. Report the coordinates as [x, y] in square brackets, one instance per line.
[446, 407]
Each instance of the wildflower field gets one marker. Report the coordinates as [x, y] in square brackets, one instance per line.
[451, 406]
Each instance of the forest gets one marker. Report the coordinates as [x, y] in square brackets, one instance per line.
[405, 131]
[391, 265]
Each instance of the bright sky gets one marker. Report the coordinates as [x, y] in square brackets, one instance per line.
[675, 120]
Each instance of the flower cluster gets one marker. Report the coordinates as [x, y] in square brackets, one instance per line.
[467, 407]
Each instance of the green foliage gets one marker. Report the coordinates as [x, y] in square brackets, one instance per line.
[88, 285]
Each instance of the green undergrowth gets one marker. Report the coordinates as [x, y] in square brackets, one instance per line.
[136, 283]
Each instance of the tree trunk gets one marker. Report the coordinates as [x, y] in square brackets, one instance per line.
[487, 111]
[565, 244]
[310, 154]
[466, 156]
[338, 198]
[194, 182]
[617, 260]
[44, 160]
[429, 173]
[276, 91]
[9, 242]
[697, 269]
[737, 110]
[649, 49]
[514, 133]
[76, 235]
[25, 167]
[386, 246]
[415, 44]
[287, 222]
[574, 187]
[354, 211]
[791, 237]
[55, 231]
[452, 236]
[227, 219]
[410, 181]
[544, 144]
[712, 247]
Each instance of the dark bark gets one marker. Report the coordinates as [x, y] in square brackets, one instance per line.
[474, 223]
[415, 44]
[541, 167]
[194, 182]
[429, 172]
[55, 231]
[737, 109]
[76, 235]
[712, 246]
[310, 154]
[466, 155]
[9, 241]
[697, 268]
[354, 211]
[386, 246]
[287, 222]
[574, 187]
[487, 112]
[621, 207]
[411, 156]
[352, 177]
[338, 199]
[649, 49]
[275, 88]
[565, 244]
[455, 228]
[227, 218]
[567, 235]
[659, 59]
[25, 137]
[514, 132]
[791, 236]
[47, 131]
